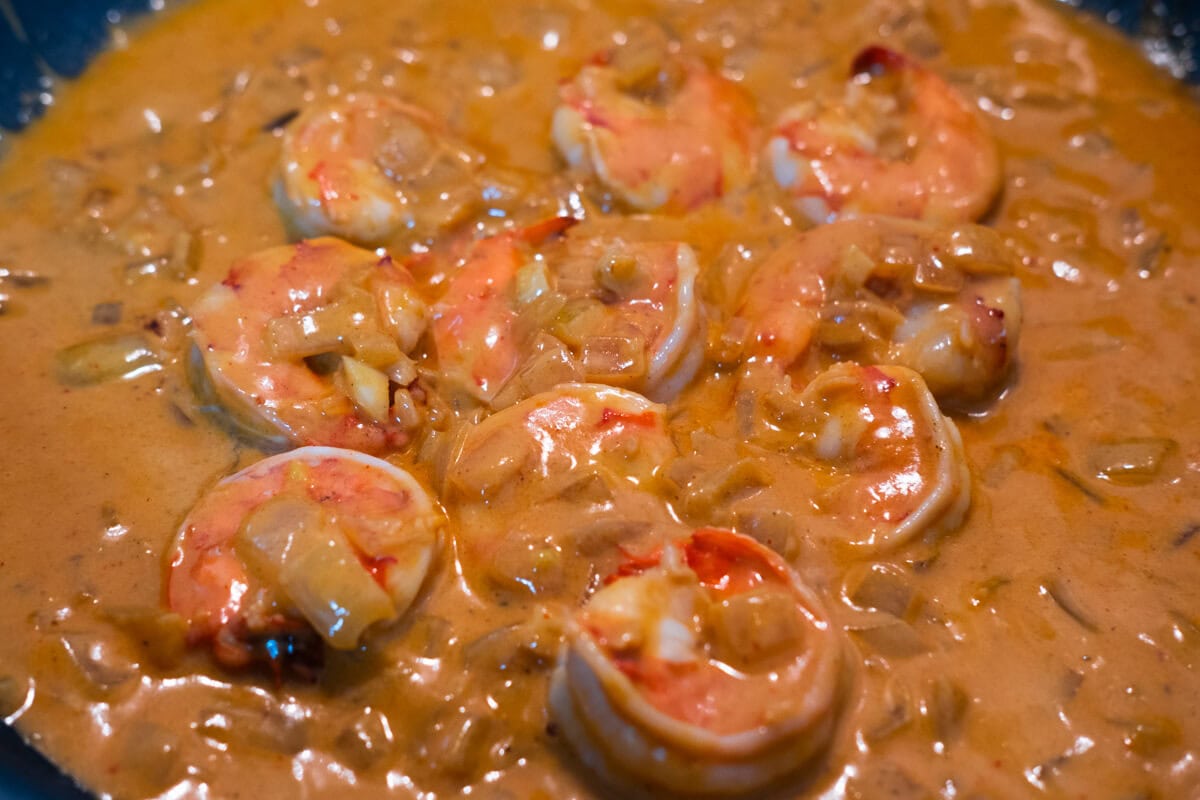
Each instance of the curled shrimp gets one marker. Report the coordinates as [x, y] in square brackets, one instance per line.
[942, 301]
[314, 541]
[671, 155]
[889, 465]
[611, 311]
[307, 342]
[368, 167]
[706, 668]
[631, 314]
[586, 453]
[900, 142]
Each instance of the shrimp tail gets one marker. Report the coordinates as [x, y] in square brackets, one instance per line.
[289, 648]
[543, 231]
[635, 564]
[879, 60]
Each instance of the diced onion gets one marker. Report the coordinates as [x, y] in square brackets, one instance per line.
[1151, 736]
[402, 371]
[974, 249]
[756, 628]
[715, 490]
[291, 547]
[643, 56]
[884, 589]
[247, 722]
[608, 357]
[332, 327]
[492, 463]
[893, 639]
[367, 387]
[532, 281]
[550, 364]
[375, 349]
[121, 356]
[579, 319]
[266, 535]
[945, 706]
[845, 324]
[404, 313]
[933, 275]
[1131, 462]
[405, 412]
[334, 592]
[855, 267]
[774, 528]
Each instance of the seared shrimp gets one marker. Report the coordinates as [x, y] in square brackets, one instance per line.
[888, 464]
[622, 313]
[318, 540]
[942, 301]
[309, 341]
[707, 668]
[670, 156]
[900, 142]
[367, 167]
[588, 457]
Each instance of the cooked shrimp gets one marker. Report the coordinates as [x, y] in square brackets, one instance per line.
[473, 325]
[885, 464]
[900, 142]
[965, 348]
[301, 339]
[878, 290]
[367, 167]
[587, 453]
[625, 313]
[706, 668]
[632, 316]
[317, 540]
[657, 156]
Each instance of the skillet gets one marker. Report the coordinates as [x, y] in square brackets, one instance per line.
[42, 42]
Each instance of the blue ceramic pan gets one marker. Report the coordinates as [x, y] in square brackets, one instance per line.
[59, 37]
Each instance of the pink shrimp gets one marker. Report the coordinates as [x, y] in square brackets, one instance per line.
[673, 156]
[707, 667]
[890, 464]
[536, 458]
[900, 142]
[315, 542]
[629, 314]
[881, 290]
[473, 325]
[367, 167]
[322, 297]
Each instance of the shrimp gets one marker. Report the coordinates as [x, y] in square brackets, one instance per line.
[670, 156]
[889, 465]
[706, 668]
[963, 348]
[942, 301]
[623, 313]
[314, 541]
[300, 340]
[632, 316]
[590, 457]
[900, 142]
[367, 167]
[473, 326]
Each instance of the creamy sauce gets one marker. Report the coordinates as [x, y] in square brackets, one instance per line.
[1048, 647]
